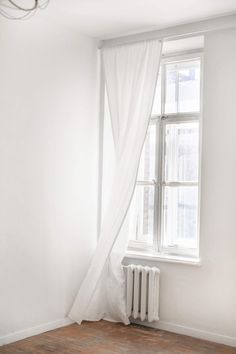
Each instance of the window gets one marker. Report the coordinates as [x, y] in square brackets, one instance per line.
[164, 210]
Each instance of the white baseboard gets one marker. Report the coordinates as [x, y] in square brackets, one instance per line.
[188, 331]
[167, 326]
[29, 332]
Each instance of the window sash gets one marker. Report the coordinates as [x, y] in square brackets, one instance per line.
[159, 183]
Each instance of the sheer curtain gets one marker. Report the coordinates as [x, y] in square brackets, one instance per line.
[131, 74]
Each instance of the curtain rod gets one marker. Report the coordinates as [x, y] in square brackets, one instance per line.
[171, 33]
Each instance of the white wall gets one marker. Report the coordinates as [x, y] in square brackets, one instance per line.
[48, 169]
[204, 298]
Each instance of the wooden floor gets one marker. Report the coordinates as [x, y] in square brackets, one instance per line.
[112, 338]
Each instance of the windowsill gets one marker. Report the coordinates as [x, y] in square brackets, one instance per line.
[168, 258]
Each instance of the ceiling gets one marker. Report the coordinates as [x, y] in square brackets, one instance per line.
[110, 18]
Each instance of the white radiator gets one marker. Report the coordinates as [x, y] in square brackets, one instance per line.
[142, 286]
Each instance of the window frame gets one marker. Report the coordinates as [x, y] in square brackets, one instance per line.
[160, 120]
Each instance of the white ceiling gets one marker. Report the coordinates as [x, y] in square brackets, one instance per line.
[110, 18]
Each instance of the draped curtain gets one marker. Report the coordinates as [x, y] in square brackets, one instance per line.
[130, 74]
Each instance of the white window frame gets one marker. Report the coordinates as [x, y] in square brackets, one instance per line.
[157, 250]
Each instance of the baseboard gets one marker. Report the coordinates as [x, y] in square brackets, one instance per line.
[29, 332]
[167, 326]
[188, 331]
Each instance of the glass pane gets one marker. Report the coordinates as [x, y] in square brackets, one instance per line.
[147, 162]
[171, 94]
[182, 87]
[181, 152]
[180, 216]
[141, 214]
[156, 109]
[189, 86]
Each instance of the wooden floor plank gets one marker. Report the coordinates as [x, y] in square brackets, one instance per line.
[113, 338]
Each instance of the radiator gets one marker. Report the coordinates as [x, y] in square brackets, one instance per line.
[142, 286]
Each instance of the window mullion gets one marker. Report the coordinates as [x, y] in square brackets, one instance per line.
[156, 197]
[177, 88]
[181, 117]
[146, 183]
[163, 88]
[160, 186]
[159, 166]
[179, 184]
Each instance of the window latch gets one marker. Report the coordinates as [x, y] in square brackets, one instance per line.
[164, 117]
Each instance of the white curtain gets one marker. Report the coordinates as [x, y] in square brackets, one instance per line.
[131, 74]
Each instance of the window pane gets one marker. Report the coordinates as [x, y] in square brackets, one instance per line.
[171, 94]
[180, 216]
[182, 87]
[181, 152]
[147, 162]
[141, 214]
[189, 86]
[156, 109]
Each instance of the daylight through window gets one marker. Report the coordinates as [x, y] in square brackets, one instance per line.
[164, 210]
